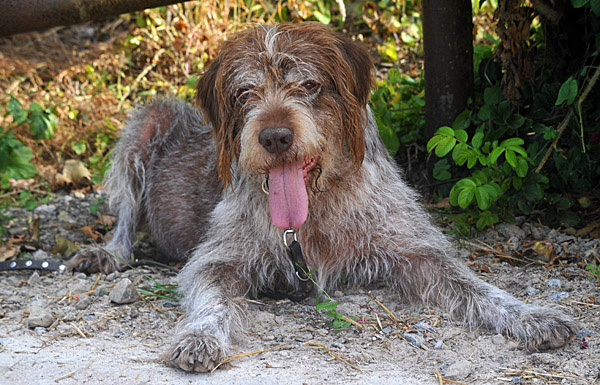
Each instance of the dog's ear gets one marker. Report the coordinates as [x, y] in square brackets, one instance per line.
[362, 68]
[217, 110]
[358, 82]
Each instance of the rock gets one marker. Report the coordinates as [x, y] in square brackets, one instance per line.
[509, 230]
[34, 279]
[44, 209]
[415, 339]
[531, 291]
[459, 370]
[124, 292]
[39, 317]
[554, 283]
[113, 276]
[438, 345]
[558, 296]
[84, 302]
[64, 216]
[498, 339]
[40, 255]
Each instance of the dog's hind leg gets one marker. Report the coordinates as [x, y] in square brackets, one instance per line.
[126, 185]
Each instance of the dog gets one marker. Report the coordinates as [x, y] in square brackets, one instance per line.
[286, 147]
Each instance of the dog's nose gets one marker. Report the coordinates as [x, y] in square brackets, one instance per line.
[276, 140]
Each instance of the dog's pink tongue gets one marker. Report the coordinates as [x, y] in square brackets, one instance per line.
[288, 200]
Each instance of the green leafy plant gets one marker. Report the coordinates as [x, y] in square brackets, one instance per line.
[15, 158]
[42, 120]
[398, 105]
[594, 270]
[494, 171]
[325, 302]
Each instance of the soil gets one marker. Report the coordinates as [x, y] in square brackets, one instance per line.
[88, 339]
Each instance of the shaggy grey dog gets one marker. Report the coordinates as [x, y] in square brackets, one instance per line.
[288, 110]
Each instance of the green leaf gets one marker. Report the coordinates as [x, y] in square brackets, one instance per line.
[78, 147]
[522, 167]
[483, 198]
[477, 140]
[440, 170]
[595, 5]
[492, 95]
[579, 3]
[462, 121]
[445, 146]
[465, 197]
[512, 142]
[460, 154]
[568, 92]
[515, 121]
[511, 157]
[496, 152]
[486, 219]
[461, 135]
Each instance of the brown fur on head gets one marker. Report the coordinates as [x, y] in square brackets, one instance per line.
[342, 68]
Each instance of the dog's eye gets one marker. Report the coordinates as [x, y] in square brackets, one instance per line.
[311, 86]
[244, 94]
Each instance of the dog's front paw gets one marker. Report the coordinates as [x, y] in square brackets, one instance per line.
[93, 260]
[196, 352]
[543, 329]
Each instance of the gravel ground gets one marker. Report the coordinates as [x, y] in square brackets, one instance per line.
[63, 328]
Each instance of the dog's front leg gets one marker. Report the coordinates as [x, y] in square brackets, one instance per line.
[442, 280]
[212, 319]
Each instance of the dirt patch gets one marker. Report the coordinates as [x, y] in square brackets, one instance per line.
[63, 328]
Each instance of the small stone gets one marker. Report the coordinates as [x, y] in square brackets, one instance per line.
[509, 230]
[554, 283]
[558, 296]
[113, 276]
[80, 275]
[134, 313]
[498, 339]
[459, 370]
[531, 291]
[64, 216]
[84, 302]
[438, 345]
[124, 292]
[79, 195]
[171, 304]
[100, 291]
[338, 294]
[34, 279]
[415, 339]
[39, 317]
[40, 255]
[424, 326]
[386, 330]
[44, 209]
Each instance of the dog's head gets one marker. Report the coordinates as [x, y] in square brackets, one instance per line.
[283, 100]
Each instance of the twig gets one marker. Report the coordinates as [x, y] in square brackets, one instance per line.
[315, 345]
[78, 330]
[563, 125]
[228, 359]
[383, 306]
[443, 380]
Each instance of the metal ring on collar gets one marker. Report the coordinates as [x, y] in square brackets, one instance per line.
[287, 232]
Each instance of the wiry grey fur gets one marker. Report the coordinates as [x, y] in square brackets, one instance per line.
[363, 225]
